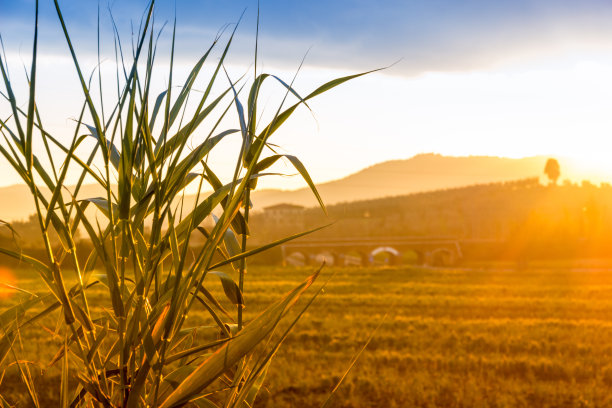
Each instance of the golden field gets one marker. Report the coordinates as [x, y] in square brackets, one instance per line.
[480, 337]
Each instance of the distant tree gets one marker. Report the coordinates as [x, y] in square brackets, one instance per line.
[552, 170]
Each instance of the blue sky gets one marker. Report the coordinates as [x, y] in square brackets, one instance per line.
[509, 78]
[432, 35]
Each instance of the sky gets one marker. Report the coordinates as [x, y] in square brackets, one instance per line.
[506, 78]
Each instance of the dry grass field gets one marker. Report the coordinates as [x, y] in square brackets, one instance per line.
[452, 338]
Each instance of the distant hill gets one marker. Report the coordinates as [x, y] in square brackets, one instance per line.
[424, 172]
[16, 201]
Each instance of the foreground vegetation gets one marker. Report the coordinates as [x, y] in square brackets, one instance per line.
[453, 338]
[128, 345]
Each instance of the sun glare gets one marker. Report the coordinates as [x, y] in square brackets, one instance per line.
[595, 166]
[7, 282]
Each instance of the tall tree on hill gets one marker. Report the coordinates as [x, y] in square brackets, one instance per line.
[552, 170]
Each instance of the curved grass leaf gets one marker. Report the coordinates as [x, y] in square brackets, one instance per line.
[114, 156]
[229, 287]
[234, 350]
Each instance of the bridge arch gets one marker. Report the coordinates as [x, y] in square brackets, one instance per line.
[325, 256]
[296, 258]
[386, 255]
[443, 257]
[352, 257]
[412, 256]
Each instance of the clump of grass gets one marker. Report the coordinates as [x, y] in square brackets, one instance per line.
[139, 351]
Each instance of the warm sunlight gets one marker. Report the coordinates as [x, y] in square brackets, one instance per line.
[265, 203]
[594, 165]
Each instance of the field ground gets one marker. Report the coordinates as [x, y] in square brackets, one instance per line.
[453, 338]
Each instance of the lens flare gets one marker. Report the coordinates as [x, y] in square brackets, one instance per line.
[7, 282]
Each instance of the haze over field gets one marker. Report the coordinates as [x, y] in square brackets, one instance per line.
[426, 172]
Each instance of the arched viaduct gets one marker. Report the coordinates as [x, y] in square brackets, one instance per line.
[356, 251]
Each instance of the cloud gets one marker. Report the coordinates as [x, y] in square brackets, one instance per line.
[436, 35]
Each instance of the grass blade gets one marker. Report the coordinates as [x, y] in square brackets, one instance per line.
[234, 350]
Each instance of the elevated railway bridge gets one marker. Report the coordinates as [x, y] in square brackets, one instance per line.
[365, 251]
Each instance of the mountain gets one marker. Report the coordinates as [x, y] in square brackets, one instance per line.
[424, 172]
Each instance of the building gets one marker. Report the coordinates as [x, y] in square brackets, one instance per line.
[284, 216]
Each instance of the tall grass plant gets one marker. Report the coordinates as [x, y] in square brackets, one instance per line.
[137, 347]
